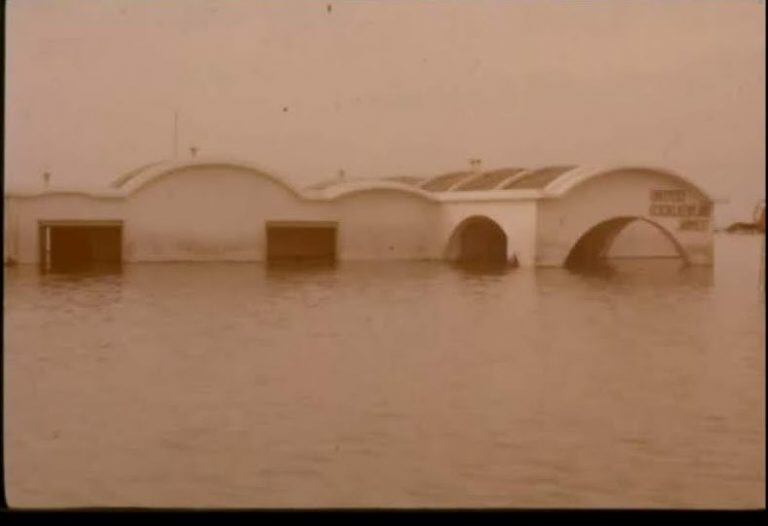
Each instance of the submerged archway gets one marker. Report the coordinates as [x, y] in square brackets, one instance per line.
[478, 239]
[592, 248]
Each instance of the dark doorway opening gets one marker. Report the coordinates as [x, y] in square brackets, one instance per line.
[74, 246]
[301, 242]
[482, 241]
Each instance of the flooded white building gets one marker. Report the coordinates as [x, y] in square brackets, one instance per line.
[227, 210]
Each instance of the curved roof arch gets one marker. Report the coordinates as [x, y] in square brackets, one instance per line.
[504, 183]
[128, 176]
[131, 182]
[349, 188]
[488, 180]
[577, 176]
[446, 181]
[477, 217]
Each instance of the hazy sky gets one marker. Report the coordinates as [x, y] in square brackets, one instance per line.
[383, 88]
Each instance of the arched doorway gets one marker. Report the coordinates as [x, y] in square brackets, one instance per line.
[593, 248]
[478, 239]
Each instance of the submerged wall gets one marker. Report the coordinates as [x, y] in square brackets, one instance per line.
[672, 205]
[220, 213]
[387, 225]
[23, 214]
[516, 218]
[206, 213]
[209, 211]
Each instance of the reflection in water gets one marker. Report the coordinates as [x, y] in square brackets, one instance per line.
[278, 269]
[387, 384]
[76, 271]
[661, 272]
[483, 268]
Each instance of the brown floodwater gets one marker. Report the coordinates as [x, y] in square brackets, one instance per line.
[388, 385]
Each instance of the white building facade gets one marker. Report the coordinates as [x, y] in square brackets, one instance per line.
[225, 210]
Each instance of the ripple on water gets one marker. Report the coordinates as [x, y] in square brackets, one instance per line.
[388, 384]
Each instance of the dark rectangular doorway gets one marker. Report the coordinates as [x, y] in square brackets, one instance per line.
[301, 241]
[71, 246]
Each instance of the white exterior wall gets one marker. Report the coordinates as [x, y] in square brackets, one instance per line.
[386, 225]
[517, 219]
[639, 239]
[209, 213]
[563, 220]
[219, 211]
[24, 213]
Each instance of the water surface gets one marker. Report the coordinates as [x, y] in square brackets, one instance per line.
[388, 385]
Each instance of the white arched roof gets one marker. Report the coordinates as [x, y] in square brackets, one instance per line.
[346, 188]
[498, 184]
[573, 178]
[132, 181]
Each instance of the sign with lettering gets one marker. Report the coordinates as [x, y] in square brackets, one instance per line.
[693, 211]
[694, 224]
